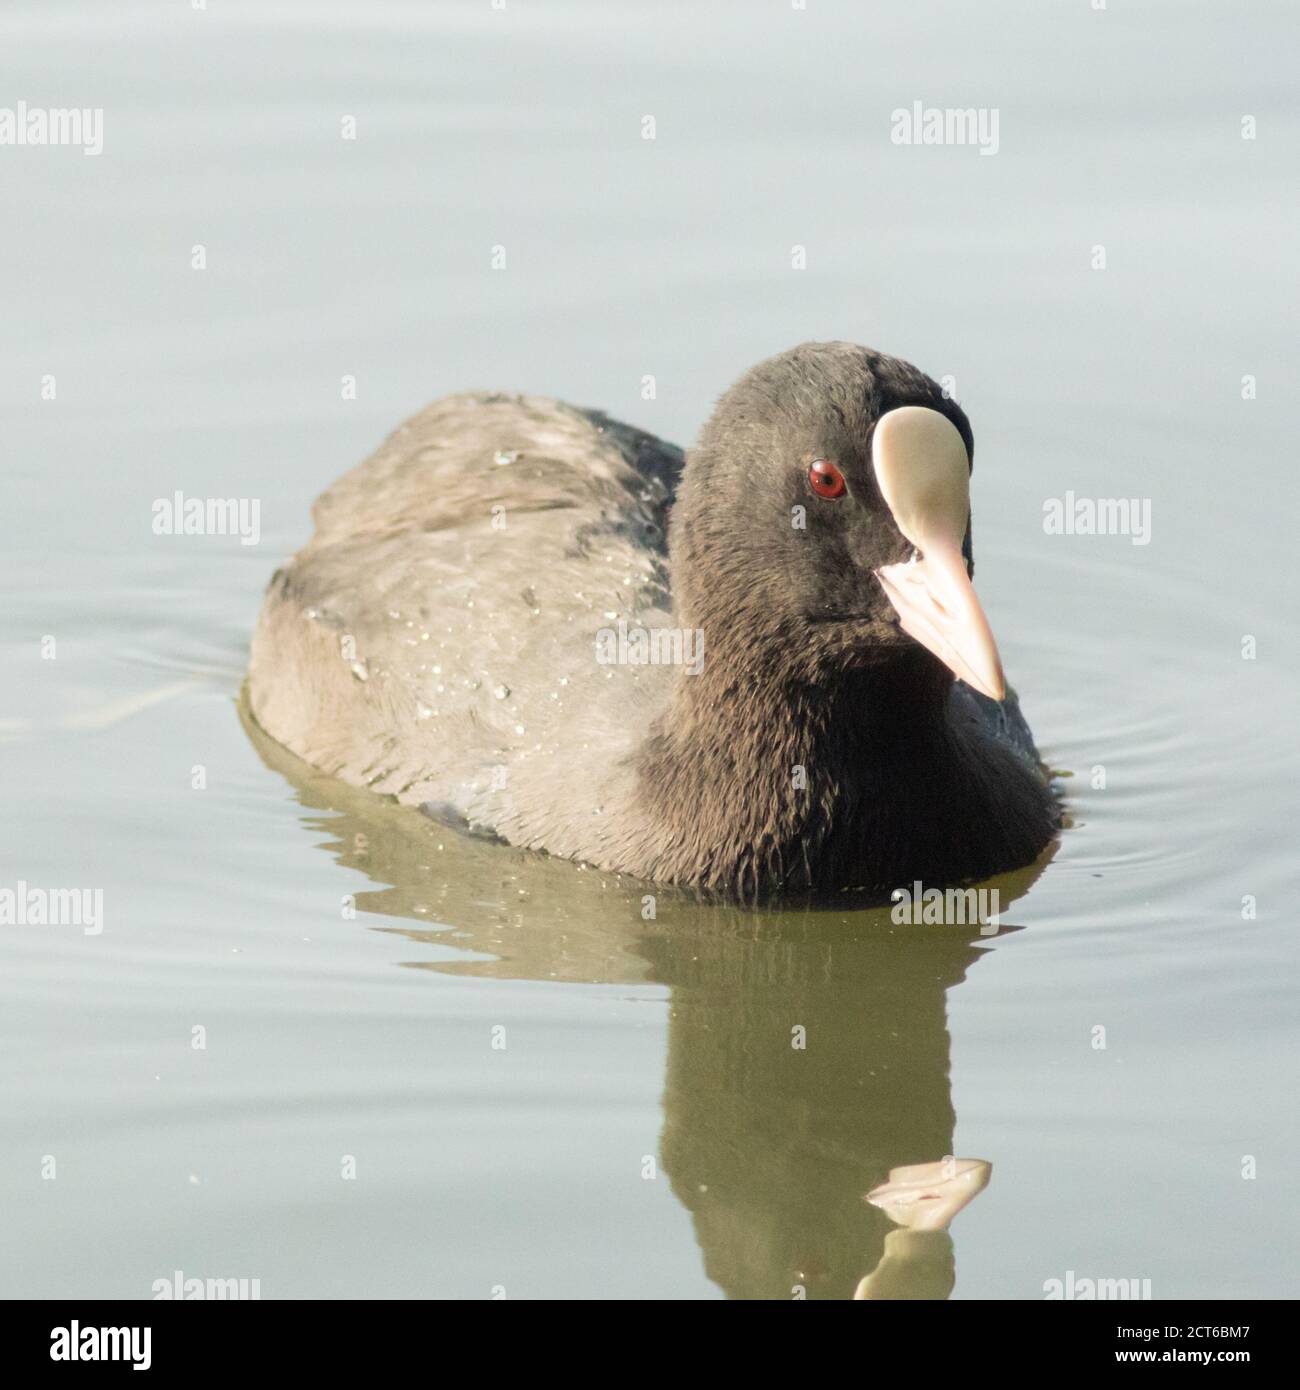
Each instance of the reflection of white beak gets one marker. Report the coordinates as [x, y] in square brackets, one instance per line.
[926, 1196]
[924, 475]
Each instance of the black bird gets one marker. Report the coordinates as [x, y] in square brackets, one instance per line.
[733, 673]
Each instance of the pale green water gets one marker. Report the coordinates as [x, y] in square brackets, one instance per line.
[372, 1037]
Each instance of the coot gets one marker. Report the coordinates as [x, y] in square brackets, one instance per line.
[758, 671]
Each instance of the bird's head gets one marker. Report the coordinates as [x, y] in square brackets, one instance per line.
[826, 510]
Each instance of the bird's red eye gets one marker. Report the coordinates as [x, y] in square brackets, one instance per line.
[826, 479]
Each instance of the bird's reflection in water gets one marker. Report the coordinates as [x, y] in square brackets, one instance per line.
[808, 1052]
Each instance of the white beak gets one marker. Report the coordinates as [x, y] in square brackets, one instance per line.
[924, 475]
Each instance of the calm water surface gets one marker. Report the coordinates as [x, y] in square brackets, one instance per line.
[647, 1130]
